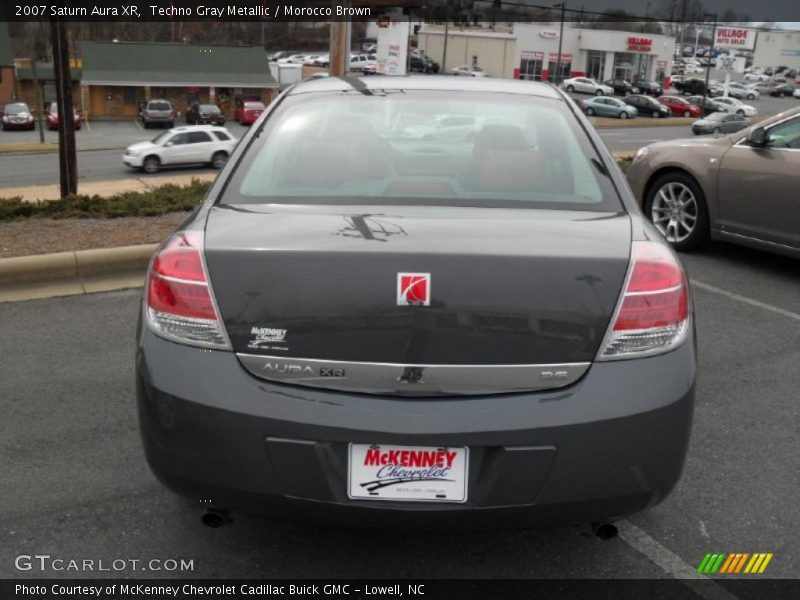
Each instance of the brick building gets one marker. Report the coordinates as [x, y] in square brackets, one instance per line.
[7, 91]
[117, 76]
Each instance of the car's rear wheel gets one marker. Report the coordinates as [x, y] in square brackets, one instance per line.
[151, 164]
[590, 111]
[623, 115]
[655, 114]
[677, 207]
[687, 113]
[219, 160]
[740, 112]
[598, 93]
[570, 89]
[751, 97]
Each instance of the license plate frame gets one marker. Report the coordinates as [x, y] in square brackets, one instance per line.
[438, 474]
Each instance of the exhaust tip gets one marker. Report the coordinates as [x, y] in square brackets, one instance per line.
[215, 518]
[604, 531]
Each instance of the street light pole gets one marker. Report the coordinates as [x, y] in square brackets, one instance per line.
[710, 53]
[560, 71]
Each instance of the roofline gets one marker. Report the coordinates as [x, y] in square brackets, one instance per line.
[85, 81]
[120, 43]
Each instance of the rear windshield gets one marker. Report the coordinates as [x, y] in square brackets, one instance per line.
[209, 109]
[416, 147]
[158, 106]
[254, 106]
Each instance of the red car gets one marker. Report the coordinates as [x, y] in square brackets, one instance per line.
[52, 116]
[679, 107]
[248, 112]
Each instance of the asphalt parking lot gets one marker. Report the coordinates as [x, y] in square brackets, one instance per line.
[81, 489]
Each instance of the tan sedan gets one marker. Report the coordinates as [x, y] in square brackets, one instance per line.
[742, 188]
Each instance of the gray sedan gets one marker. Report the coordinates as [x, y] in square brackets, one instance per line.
[719, 122]
[605, 106]
[358, 327]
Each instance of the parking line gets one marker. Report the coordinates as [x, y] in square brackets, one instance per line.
[671, 563]
[746, 300]
[138, 124]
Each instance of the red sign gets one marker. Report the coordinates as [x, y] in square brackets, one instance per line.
[640, 44]
[565, 58]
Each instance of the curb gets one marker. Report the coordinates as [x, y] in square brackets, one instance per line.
[50, 149]
[71, 273]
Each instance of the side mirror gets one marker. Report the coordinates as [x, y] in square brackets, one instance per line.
[757, 137]
[170, 144]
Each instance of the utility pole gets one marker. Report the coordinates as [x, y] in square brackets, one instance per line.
[444, 51]
[37, 86]
[708, 65]
[560, 71]
[67, 159]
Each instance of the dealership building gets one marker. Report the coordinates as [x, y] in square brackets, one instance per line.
[531, 51]
[775, 48]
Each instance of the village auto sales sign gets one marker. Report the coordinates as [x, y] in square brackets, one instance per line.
[735, 37]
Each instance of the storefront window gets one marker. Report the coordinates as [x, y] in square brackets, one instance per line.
[631, 66]
[596, 65]
[530, 66]
[558, 71]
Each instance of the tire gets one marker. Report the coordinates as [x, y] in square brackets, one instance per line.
[686, 240]
[655, 114]
[717, 131]
[751, 97]
[623, 115]
[687, 114]
[598, 93]
[219, 160]
[783, 95]
[571, 89]
[171, 124]
[146, 124]
[151, 164]
[589, 111]
[740, 112]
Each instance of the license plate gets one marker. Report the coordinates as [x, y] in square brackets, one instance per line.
[407, 473]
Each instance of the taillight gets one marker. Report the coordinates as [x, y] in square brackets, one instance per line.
[653, 315]
[179, 301]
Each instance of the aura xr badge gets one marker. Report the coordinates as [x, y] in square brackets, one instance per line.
[413, 289]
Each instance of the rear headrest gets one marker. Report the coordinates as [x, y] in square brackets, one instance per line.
[498, 138]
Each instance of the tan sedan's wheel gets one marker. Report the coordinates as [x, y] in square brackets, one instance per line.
[677, 207]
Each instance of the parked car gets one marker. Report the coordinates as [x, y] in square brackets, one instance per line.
[796, 93]
[781, 91]
[693, 86]
[745, 91]
[369, 47]
[585, 85]
[468, 71]
[423, 63]
[607, 106]
[679, 107]
[647, 106]
[195, 144]
[708, 106]
[757, 76]
[741, 188]
[52, 116]
[199, 114]
[158, 112]
[622, 87]
[283, 54]
[17, 115]
[736, 106]
[248, 112]
[651, 88]
[719, 122]
[486, 368]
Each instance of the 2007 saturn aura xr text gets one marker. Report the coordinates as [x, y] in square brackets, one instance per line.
[424, 301]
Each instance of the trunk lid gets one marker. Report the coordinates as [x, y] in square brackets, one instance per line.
[507, 287]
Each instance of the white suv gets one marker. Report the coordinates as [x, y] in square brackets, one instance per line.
[198, 144]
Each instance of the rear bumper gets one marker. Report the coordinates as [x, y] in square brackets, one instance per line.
[612, 444]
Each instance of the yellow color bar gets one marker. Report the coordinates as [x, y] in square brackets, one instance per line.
[754, 562]
[765, 563]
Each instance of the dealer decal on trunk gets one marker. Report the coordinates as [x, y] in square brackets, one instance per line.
[267, 338]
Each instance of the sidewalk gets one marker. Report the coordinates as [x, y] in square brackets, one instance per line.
[34, 193]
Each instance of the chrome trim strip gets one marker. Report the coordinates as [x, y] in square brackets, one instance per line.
[412, 379]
